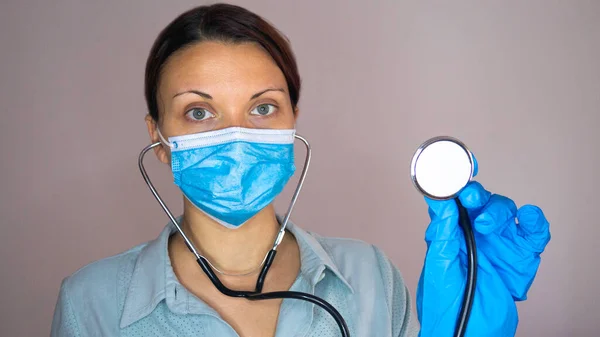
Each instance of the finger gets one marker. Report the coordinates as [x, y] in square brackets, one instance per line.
[475, 166]
[474, 196]
[515, 264]
[498, 213]
[514, 249]
[444, 220]
[533, 227]
[494, 311]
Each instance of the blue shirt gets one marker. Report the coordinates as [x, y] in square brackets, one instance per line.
[136, 293]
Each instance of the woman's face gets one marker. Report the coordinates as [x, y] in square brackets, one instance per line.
[213, 85]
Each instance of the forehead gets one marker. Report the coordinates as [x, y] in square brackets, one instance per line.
[216, 66]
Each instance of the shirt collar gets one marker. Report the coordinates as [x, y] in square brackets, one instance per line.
[314, 257]
[153, 273]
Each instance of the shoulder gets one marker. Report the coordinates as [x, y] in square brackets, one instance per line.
[102, 284]
[353, 256]
[102, 273]
[90, 300]
[372, 275]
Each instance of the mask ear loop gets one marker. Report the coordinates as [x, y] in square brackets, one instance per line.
[202, 261]
[163, 140]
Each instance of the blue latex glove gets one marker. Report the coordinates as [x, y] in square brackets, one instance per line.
[508, 259]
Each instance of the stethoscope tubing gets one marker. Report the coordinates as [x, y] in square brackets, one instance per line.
[257, 294]
[469, 293]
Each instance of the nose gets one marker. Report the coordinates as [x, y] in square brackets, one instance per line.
[238, 119]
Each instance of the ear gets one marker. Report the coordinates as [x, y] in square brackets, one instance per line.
[162, 152]
[296, 114]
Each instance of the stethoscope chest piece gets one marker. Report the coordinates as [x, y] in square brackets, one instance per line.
[441, 167]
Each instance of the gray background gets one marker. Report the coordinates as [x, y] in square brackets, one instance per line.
[518, 81]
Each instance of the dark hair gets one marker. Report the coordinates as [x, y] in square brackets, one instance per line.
[219, 22]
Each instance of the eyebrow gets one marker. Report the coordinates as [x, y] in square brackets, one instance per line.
[207, 96]
[266, 90]
[199, 93]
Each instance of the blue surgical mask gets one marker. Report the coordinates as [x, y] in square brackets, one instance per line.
[232, 174]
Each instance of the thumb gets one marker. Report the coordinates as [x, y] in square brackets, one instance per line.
[444, 220]
[442, 277]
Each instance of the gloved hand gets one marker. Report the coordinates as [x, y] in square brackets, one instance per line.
[508, 259]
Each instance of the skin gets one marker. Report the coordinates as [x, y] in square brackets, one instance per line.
[233, 75]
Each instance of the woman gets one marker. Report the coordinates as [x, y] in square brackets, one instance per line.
[222, 89]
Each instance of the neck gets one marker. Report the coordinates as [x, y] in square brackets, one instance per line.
[232, 251]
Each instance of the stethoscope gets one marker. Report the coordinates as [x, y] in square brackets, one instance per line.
[257, 294]
[441, 167]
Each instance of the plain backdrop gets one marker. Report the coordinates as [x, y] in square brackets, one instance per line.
[517, 81]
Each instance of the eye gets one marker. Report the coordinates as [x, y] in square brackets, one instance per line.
[199, 114]
[263, 109]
